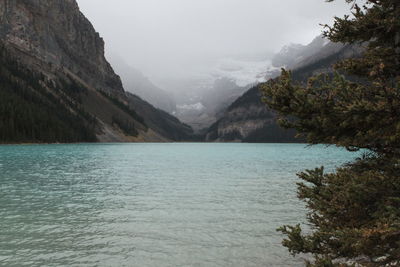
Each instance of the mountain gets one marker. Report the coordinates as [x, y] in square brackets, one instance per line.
[295, 55]
[223, 93]
[137, 83]
[249, 120]
[204, 108]
[160, 121]
[288, 55]
[57, 86]
[204, 95]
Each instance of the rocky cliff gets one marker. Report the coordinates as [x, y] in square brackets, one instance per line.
[54, 63]
[57, 33]
[248, 120]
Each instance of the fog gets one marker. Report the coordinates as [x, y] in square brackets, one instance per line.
[174, 39]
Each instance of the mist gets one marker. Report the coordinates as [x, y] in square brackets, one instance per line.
[176, 39]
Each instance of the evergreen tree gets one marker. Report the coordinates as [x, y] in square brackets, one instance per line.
[29, 112]
[354, 212]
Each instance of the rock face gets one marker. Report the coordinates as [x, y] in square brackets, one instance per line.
[248, 119]
[56, 32]
[53, 54]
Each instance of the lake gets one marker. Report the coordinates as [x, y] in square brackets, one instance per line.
[177, 204]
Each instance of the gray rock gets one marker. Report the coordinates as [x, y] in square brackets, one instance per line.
[56, 33]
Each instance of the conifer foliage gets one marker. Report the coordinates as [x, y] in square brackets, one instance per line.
[34, 109]
[355, 212]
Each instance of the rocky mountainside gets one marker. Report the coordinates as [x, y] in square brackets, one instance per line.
[58, 34]
[248, 119]
[61, 86]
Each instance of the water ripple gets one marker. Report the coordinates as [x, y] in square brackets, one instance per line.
[152, 204]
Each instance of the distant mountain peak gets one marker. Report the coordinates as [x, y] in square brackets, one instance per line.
[292, 55]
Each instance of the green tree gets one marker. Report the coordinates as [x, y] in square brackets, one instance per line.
[30, 113]
[355, 212]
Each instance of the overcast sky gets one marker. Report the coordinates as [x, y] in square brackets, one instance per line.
[161, 37]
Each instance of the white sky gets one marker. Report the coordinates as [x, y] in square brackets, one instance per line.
[171, 37]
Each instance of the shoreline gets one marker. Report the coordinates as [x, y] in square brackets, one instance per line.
[172, 142]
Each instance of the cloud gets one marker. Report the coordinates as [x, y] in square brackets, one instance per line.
[175, 37]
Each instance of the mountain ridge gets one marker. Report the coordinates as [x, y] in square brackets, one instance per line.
[249, 120]
[137, 83]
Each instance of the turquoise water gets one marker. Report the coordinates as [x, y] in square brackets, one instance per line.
[152, 204]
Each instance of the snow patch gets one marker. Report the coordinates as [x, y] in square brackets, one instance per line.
[195, 107]
[243, 72]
